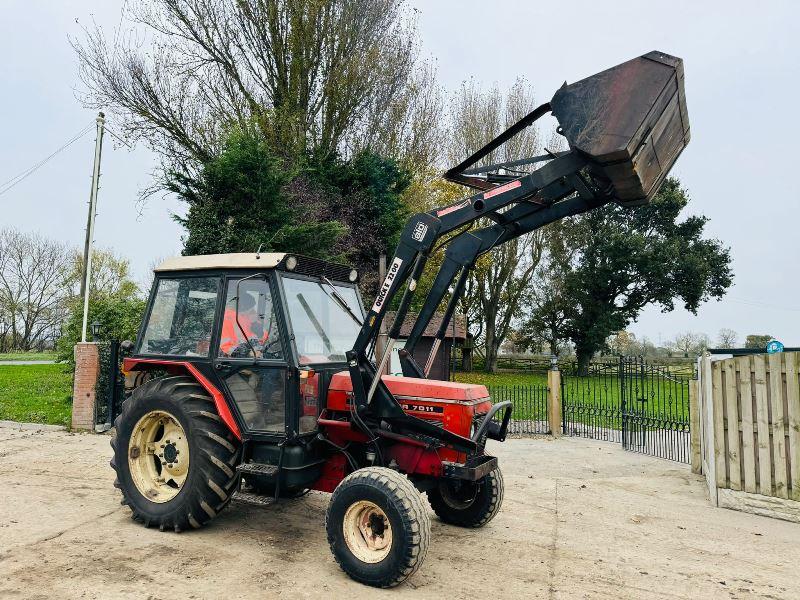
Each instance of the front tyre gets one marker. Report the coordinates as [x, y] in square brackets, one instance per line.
[175, 460]
[468, 504]
[378, 527]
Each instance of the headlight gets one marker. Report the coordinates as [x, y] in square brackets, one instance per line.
[353, 275]
[291, 263]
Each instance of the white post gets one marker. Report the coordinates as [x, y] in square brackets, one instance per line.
[87, 252]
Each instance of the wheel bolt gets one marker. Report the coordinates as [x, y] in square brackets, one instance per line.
[177, 451]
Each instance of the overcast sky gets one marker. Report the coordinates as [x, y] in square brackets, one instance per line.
[742, 63]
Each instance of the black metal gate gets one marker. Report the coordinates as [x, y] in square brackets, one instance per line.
[643, 406]
[110, 388]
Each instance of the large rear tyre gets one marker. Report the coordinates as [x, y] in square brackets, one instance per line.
[378, 527]
[175, 460]
[468, 504]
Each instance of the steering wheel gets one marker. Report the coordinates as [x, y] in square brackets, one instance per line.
[244, 350]
[267, 350]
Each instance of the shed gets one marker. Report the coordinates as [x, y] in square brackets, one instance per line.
[456, 333]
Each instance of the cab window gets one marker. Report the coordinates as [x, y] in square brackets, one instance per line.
[249, 326]
[182, 317]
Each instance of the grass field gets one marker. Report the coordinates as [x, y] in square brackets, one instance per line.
[501, 379]
[28, 356]
[36, 394]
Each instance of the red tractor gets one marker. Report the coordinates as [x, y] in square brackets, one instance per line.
[253, 374]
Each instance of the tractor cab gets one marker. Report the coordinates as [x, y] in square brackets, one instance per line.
[266, 330]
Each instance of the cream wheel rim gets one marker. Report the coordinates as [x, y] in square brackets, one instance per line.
[367, 531]
[158, 456]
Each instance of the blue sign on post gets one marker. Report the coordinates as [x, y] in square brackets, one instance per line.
[774, 346]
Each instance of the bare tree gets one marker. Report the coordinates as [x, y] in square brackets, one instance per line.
[310, 75]
[623, 342]
[495, 292]
[548, 298]
[34, 286]
[110, 273]
[690, 342]
[727, 338]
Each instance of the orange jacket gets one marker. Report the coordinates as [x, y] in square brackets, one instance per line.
[232, 335]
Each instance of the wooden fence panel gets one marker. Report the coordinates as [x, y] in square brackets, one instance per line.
[793, 414]
[748, 441]
[762, 423]
[732, 425]
[719, 424]
[750, 421]
[776, 398]
[707, 429]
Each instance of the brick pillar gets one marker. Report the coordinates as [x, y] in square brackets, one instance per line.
[87, 369]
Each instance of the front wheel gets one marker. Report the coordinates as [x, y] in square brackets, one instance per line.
[378, 528]
[468, 504]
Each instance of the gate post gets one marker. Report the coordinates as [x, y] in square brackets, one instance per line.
[554, 399]
[694, 426]
[87, 369]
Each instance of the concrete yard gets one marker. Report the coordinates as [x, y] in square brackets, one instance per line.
[581, 519]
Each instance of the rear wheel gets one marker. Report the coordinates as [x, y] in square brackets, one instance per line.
[175, 460]
[468, 504]
[378, 528]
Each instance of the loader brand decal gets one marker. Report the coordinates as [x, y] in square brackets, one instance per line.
[422, 408]
[420, 229]
[503, 188]
[447, 210]
[387, 284]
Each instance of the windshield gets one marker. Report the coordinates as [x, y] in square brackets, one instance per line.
[323, 330]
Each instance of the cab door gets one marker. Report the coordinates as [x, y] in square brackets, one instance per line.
[251, 355]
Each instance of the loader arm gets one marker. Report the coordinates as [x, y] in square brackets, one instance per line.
[460, 258]
[625, 128]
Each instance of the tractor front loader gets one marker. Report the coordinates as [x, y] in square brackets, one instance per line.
[253, 374]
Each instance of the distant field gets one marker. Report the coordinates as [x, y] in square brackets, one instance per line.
[497, 379]
[28, 356]
[36, 394]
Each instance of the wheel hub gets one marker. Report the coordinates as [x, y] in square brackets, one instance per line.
[171, 452]
[367, 531]
[158, 456]
[458, 495]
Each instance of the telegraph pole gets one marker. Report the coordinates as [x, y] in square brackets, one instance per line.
[87, 249]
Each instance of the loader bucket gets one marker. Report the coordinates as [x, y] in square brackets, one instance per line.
[630, 121]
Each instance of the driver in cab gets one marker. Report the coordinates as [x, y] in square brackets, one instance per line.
[251, 327]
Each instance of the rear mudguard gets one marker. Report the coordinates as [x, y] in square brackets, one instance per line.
[177, 366]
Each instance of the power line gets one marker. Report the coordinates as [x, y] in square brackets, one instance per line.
[8, 185]
[118, 138]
